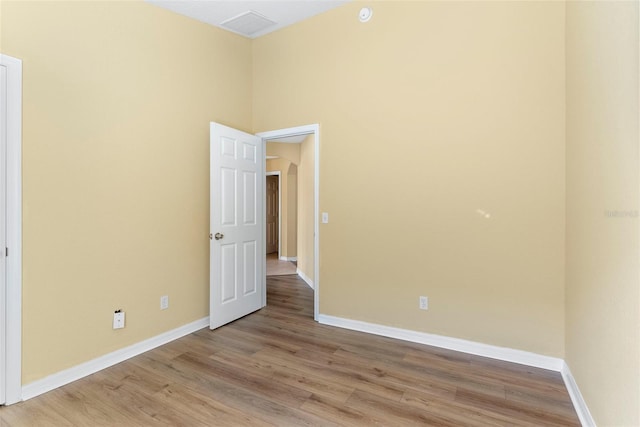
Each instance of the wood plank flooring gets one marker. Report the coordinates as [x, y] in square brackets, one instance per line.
[277, 267]
[278, 367]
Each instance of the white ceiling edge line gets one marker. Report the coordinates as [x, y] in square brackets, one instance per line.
[216, 12]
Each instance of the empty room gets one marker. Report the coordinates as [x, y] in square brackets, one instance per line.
[458, 190]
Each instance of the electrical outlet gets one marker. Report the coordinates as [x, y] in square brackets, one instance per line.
[164, 302]
[424, 303]
[118, 319]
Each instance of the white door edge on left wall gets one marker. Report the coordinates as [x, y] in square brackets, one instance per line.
[3, 228]
[12, 306]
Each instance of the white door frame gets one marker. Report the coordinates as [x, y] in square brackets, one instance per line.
[277, 173]
[299, 131]
[13, 308]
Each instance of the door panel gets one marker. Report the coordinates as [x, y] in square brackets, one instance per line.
[272, 214]
[237, 243]
[228, 272]
[228, 194]
[250, 273]
[250, 197]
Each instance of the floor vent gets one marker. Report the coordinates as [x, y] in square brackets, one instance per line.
[247, 23]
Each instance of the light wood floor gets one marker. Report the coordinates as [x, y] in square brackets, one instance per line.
[278, 367]
[277, 267]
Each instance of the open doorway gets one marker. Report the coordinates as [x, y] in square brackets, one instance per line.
[300, 148]
[273, 212]
[280, 218]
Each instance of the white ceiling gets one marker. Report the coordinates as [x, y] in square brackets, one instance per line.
[250, 15]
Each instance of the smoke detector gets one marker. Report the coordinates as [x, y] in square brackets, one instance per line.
[365, 14]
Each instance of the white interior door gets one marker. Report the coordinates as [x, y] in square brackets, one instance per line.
[237, 237]
[3, 229]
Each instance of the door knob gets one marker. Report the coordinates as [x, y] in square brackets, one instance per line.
[219, 236]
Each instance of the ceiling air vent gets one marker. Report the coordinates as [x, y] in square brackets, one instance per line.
[247, 23]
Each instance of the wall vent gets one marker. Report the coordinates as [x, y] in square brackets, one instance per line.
[247, 23]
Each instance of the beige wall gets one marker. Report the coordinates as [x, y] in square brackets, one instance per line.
[289, 173]
[285, 150]
[292, 209]
[306, 211]
[117, 100]
[288, 214]
[603, 286]
[468, 99]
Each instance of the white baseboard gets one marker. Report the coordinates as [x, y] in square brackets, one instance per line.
[67, 376]
[471, 347]
[576, 397]
[305, 278]
[479, 349]
[80, 371]
[288, 258]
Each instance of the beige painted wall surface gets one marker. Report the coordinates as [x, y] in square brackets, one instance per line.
[460, 106]
[288, 227]
[603, 286]
[289, 172]
[292, 209]
[117, 102]
[306, 208]
[286, 150]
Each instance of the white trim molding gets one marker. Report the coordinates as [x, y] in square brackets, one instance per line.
[576, 397]
[305, 278]
[289, 258]
[67, 376]
[13, 361]
[471, 347]
[478, 349]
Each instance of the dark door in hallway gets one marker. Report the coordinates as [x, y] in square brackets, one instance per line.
[272, 214]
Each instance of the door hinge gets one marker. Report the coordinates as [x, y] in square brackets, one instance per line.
[6, 251]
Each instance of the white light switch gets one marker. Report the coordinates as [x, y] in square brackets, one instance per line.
[325, 217]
